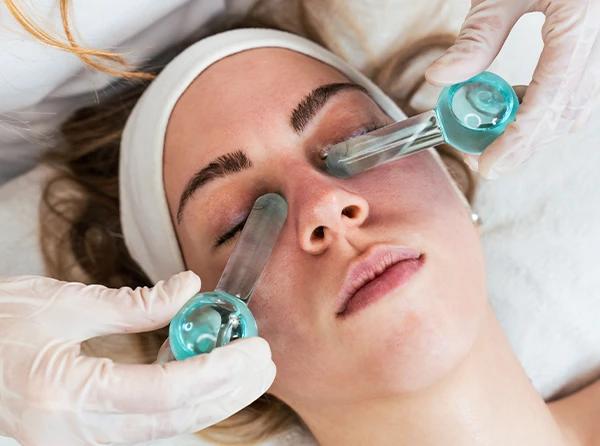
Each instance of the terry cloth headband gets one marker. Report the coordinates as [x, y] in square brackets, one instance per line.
[147, 226]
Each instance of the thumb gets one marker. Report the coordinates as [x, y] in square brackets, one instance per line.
[480, 39]
[142, 309]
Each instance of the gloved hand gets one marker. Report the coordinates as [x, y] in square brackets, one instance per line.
[52, 396]
[565, 85]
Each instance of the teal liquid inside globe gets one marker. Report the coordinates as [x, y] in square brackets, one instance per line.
[474, 113]
[479, 105]
[207, 321]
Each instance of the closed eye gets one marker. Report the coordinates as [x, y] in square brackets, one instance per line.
[228, 236]
[360, 132]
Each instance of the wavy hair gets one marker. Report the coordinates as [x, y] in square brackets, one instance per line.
[81, 236]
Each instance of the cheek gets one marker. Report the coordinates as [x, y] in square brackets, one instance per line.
[282, 313]
[272, 300]
[288, 318]
[442, 319]
[414, 339]
[434, 326]
[414, 188]
[403, 344]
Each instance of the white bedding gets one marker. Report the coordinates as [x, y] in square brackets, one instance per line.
[541, 238]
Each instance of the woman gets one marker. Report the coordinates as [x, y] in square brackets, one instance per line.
[318, 233]
[373, 301]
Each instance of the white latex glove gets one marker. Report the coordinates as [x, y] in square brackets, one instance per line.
[566, 81]
[50, 395]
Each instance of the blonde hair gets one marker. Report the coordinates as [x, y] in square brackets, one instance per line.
[80, 233]
[104, 61]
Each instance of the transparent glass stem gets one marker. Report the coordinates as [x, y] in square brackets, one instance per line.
[254, 247]
[386, 144]
[215, 318]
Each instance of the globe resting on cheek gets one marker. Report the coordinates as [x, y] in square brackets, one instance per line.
[213, 319]
[469, 116]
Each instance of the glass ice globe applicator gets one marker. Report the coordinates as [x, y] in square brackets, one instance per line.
[215, 318]
[469, 116]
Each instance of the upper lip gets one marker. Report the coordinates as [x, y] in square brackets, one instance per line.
[373, 263]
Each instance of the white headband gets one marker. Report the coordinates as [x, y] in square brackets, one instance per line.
[147, 226]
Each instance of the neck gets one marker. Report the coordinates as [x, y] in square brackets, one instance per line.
[488, 400]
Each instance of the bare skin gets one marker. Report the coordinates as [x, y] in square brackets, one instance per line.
[425, 364]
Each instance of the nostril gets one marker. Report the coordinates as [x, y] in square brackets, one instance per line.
[319, 233]
[350, 211]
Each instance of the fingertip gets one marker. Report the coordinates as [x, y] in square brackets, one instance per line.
[228, 366]
[255, 347]
[191, 279]
[258, 383]
[455, 66]
[187, 276]
[239, 355]
[186, 283]
[491, 174]
[449, 74]
[269, 377]
[489, 171]
[472, 162]
[225, 374]
[490, 157]
[445, 71]
[494, 166]
[433, 75]
[508, 150]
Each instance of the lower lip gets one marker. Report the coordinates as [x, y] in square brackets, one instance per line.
[392, 279]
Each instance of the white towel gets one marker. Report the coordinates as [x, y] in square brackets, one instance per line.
[542, 242]
[541, 236]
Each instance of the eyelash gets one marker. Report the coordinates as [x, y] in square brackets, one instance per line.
[367, 129]
[228, 236]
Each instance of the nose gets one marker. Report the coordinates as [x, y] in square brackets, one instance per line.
[324, 210]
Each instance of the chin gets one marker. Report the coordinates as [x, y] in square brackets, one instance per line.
[417, 341]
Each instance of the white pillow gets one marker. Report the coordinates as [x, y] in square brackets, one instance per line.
[541, 235]
[19, 205]
[541, 239]
[20, 255]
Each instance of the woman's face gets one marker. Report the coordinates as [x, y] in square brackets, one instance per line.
[258, 122]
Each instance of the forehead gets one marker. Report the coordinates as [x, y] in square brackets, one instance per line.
[254, 82]
[240, 101]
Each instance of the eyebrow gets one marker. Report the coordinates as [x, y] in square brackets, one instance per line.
[218, 168]
[316, 100]
[238, 161]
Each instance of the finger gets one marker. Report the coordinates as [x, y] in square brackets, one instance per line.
[165, 354]
[125, 310]
[25, 296]
[82, 312]
[126, 388]
[480, 39]
[140, 428]
[585, 96]
[520, 91]
[556, 75]
[472, 161]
